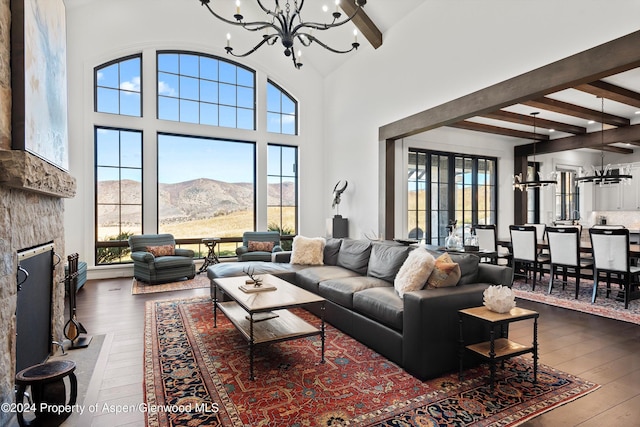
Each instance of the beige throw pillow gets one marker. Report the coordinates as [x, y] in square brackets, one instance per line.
[307, 250]
[445, 273]
[414, 272]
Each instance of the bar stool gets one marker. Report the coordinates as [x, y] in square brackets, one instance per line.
[47, 387]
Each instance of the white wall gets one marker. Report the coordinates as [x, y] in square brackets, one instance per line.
[102, 31]
[443, 50]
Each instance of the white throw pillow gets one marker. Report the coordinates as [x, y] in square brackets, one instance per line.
[308, 250]
[414, 272]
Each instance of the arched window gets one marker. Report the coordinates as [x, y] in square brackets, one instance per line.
[282, 111]
[203, 89]
[118, 87]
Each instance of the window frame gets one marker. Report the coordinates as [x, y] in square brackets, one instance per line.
[200, 55]
[254, 171]
[449, 212]
[103, 243]
[281, 175]
[97, 69]
[280, 113]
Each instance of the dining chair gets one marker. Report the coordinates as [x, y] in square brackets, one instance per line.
[611, 254]
[540, 230]
[524, 247]
[608, 226]
[487, 240]
[542, 237]
[564, 252]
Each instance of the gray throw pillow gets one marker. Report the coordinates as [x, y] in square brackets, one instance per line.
[468, 267]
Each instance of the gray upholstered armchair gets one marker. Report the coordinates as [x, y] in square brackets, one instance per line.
[156, 259]
[258, 245]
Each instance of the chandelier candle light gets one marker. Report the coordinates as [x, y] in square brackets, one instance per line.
[534, 180]
[603, 175]
[286, 24]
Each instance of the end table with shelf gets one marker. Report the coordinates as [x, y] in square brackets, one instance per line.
[498, 348]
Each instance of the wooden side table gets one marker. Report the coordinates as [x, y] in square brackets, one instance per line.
[211, 257]
[47, 387]
[501, 348]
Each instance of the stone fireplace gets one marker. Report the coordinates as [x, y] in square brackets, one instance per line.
[32, 194]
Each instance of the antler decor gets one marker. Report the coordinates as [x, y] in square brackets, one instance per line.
[337, 192]
[250, 271]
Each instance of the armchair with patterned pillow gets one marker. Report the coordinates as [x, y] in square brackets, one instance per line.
[156, 259]
[258, 245]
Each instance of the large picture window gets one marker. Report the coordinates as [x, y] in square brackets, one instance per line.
[282, 191]
[200, 179]
[447, 187]
[203, 89]
[118, 190]
[206, 186]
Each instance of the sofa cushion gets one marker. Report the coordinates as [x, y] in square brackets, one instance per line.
[414, 272]
[354, 255]
[468, 267]
[445, 273]
[309, 277]
[331, 250]
[385, 260]
[382, 304]
[341, 290]
[307, 250]
[164, 262]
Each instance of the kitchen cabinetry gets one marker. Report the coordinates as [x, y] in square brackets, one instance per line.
[623, 197]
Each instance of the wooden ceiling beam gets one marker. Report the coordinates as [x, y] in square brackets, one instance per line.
[562, 107]
[523, 119]
[364, 24]
[613, 57]
[614, 149]
[609, 91]
[482, 127]
[589, 140]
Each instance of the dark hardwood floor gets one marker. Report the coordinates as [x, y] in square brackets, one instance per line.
[602, 350]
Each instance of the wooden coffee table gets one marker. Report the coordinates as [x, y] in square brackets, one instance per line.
[264, 317]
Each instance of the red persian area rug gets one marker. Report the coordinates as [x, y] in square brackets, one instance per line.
[611, 307]
[139, 287]
[196, 374]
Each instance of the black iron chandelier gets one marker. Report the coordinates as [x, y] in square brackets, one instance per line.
[533, 180]
[286, 24]
[605, 174]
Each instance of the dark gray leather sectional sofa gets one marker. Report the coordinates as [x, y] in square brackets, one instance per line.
[419, 332]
